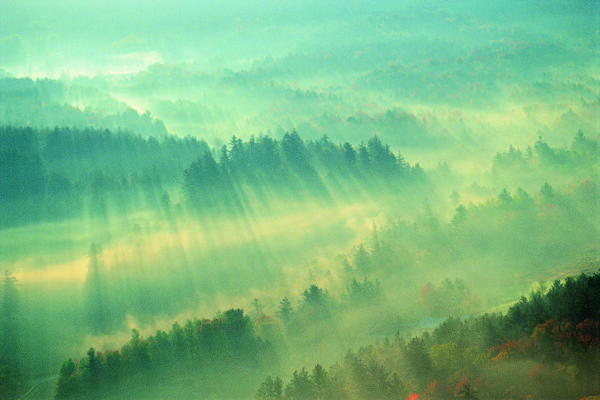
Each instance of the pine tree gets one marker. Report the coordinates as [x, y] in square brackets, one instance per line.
[11, 373]
[285, 310]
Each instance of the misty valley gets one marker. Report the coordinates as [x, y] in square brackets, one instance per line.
[300, 200]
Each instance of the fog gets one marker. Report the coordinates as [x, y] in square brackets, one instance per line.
[297, 200]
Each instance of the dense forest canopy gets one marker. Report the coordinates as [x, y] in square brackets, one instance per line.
[299, 200]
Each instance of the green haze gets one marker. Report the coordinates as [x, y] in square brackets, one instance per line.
[299, 200]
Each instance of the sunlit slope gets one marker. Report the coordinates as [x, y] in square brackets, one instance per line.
[232, 235]
[105, 231]
[393, 283]
[341, 171]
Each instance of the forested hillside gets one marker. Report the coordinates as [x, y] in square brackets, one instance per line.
[413, 271]
[547, 346]
[48, 103]
[299, 199]
[64, 173]
[405, 276]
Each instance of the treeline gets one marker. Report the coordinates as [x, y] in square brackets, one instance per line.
[546, 347]
[262, 167]
[243, 346]
[486, 243]
[65, 173]
[224, 347]
[467, 79]
[317, 311]
[579, 159]
[81, 103]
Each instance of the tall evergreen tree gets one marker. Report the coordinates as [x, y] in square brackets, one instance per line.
[11, 372]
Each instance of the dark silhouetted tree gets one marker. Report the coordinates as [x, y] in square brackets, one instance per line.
[11, 371]
[67, 386]
[270, 389]
[285, 310]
